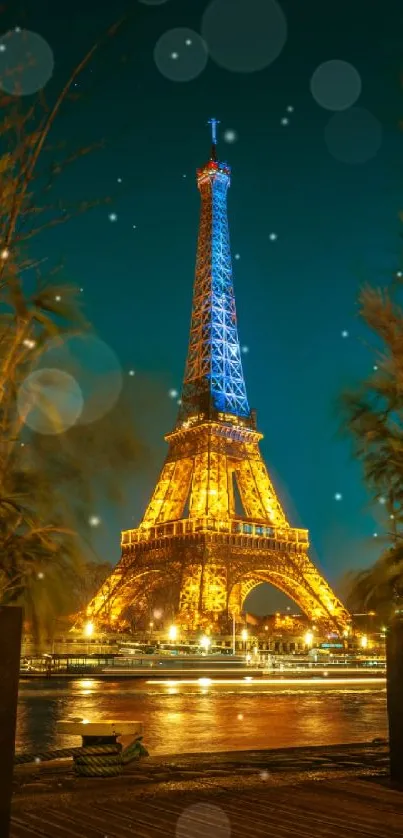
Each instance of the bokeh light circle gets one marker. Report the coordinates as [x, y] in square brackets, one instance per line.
[49, 401]
[180, 54]
[95, 367]
[26, 62]
[244, 36]
[353, 136]
[336, 85]
[203, 816]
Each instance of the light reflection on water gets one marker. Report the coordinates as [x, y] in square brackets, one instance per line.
[179, 718]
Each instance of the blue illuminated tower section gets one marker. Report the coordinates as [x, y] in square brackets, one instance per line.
[214, 385]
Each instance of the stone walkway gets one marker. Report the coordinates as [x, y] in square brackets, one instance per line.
[303, 793]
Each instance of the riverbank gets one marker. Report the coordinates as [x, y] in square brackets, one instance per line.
[308, 792]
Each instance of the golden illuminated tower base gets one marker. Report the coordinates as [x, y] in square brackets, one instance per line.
[192, 539]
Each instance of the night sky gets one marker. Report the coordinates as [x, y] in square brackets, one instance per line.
[313, 207]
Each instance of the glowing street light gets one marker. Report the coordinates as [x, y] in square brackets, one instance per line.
[89, 629]
[173, 632]
[244, 635]
[205, 642]
[364, 641]
[308, 639]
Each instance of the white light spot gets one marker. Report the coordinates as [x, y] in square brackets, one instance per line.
[273, 237]
[290, 109]
[26, 63]
[37, 759]
[353, 136]
[336, 85]
[338, 496]
[184, 175]
[3, 47]
[285, 121]
[391, 517]
[375, 367]
[382, 500]
[399, 274]
[179, 401]
[344, 333]
[244, 36]
[230, 136]
[58, 298]
[375, 535]
[29, 343]
[112, 216]
[119, 180]
[41, 575]
[176, 63]
[245, 349]
[5, 253]
[240, 717]
[49, 401]
[173, 394]
[237, 256]
[81, 289]
[203, 817]
[134, 226]
[132, 372]
[264, 775]
[94, 521]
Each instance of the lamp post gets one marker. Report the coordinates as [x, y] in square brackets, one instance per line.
[88, 631]
[244, 636]
[205, 643]
[172, 633]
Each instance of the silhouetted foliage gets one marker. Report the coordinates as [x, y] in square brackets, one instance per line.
[373, 416]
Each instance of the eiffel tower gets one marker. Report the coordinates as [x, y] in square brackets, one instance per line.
[191, 536]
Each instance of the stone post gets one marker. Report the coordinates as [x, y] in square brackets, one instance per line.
[394, 662]
[10, 651]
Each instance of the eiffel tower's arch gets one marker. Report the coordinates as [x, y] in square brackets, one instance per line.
[124, 589]
[317, 610]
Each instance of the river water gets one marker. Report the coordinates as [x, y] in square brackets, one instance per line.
[183, 718]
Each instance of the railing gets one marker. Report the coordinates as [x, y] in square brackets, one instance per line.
[190, 526]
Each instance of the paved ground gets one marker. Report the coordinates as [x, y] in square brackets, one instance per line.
[304, 793]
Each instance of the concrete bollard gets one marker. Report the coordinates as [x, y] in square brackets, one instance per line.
[394, 660]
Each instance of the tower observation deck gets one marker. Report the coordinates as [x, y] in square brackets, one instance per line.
[214, 527]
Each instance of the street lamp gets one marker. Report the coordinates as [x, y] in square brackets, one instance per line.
[364, 641]
[89, 629]
[244, 636]
[205, 642]
[308, 638]
[151, 624]
[173, 632]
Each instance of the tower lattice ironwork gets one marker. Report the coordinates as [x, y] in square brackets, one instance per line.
[192, 540]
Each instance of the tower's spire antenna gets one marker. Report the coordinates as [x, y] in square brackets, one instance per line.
[214, 122]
